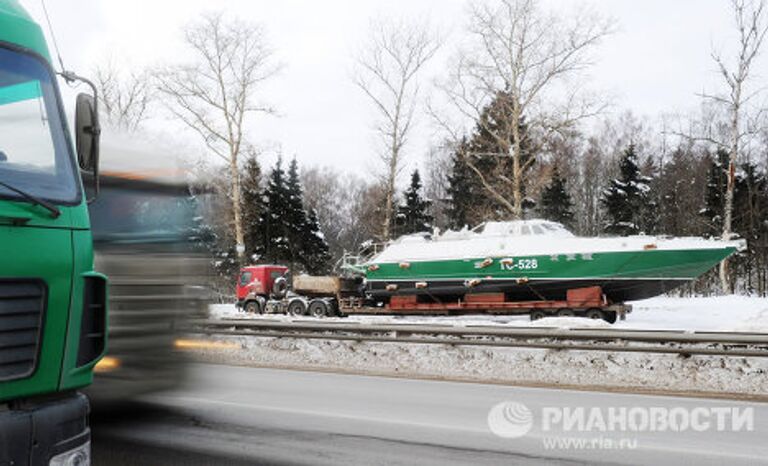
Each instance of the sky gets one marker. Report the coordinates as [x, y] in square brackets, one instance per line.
[655, 63]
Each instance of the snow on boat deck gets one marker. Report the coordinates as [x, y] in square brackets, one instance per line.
[720, 313]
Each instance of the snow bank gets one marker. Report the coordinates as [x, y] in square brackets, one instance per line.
[638, 371]
[722, 313]
[592, 369]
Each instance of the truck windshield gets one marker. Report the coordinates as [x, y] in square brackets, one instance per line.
[34, 153]
[142, 215]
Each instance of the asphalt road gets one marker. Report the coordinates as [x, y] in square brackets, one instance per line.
[238, 415]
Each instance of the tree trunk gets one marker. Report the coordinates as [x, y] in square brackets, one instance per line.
[517, 168]
[725, 276]
[237, 209]
[388, 205]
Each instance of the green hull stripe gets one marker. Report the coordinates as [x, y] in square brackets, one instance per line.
[654, 264]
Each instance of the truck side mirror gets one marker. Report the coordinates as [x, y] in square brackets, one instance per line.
[87, 134]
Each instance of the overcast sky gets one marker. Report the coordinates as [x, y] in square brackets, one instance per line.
[655, 63]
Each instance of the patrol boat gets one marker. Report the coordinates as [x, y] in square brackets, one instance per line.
[538, 260]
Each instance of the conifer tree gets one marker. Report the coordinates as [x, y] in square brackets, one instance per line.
[714, 200]
[296, 216]
[466, 199]
[316, 255]
[483, 171]
[275, 228]
[648, 215]
[412, 216]
[556, 204]
[626, 198]
[252, 208]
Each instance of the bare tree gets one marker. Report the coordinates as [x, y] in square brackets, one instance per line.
[215, 93]
[387, 71]
[518, 66]
[437, 169]
[124, 97]
[751, 21]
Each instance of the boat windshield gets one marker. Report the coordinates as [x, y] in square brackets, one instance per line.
[522, 228]
[34, 151]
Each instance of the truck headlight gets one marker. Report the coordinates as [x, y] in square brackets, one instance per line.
[80, 456]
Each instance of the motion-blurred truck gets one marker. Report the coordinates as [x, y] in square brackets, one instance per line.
[144, 239]
[53, 312]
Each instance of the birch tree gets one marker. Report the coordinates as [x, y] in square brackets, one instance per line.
[520, 64]
[216, 92]
[387, 71]
[751, 23]
[124, 98]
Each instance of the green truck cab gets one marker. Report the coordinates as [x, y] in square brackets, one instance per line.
[52, 304]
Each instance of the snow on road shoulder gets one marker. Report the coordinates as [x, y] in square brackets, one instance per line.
[720, 313]
[717, 313]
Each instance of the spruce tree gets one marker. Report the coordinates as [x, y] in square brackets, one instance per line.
[412, 216]
[463, 191]
[626, 197]
[296, 216]
[275, 227]
[714, 200]
[648, 215]
[316, 255]
[252, 208]
[471, 202]
[556, 204]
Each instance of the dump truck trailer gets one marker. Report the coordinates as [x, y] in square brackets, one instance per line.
[53, 312]
[271, 289]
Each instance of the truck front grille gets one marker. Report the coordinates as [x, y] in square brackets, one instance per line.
[22, 303]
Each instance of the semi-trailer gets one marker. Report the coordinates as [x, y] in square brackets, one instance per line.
[270, 289]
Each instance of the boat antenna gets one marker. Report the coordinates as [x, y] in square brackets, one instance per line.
[53, 36]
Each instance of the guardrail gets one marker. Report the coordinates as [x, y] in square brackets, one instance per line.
[574, 339]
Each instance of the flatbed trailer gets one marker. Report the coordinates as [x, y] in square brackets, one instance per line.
[583, 302]
[266, 290]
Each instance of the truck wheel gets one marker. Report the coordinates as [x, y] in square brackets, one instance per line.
[594, 314]
[538, 314]
[318, 308]
[297, 307]
[610, 316]
[566, 313]
[254, 307]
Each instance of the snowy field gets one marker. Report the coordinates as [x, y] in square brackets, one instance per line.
[721, 313]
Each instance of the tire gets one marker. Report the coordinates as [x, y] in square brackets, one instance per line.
[297, 307]
[594, 313]
[254, 307]
[610, 316]
[538, 314]
[565, 313]
[318, 308]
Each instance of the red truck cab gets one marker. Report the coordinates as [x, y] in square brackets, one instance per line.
[257, 280]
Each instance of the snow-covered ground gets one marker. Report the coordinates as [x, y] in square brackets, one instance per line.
[640, 371]
[721, 313]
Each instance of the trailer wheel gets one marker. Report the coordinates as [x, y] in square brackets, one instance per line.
[254, 307]
[538, 314]
[610, 316]
[297, 307]
[594, 313]
[566, 313]
[318, 308]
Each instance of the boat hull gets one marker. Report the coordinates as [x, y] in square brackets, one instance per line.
[623, 276]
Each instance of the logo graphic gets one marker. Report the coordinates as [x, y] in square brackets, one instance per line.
[510, 419]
